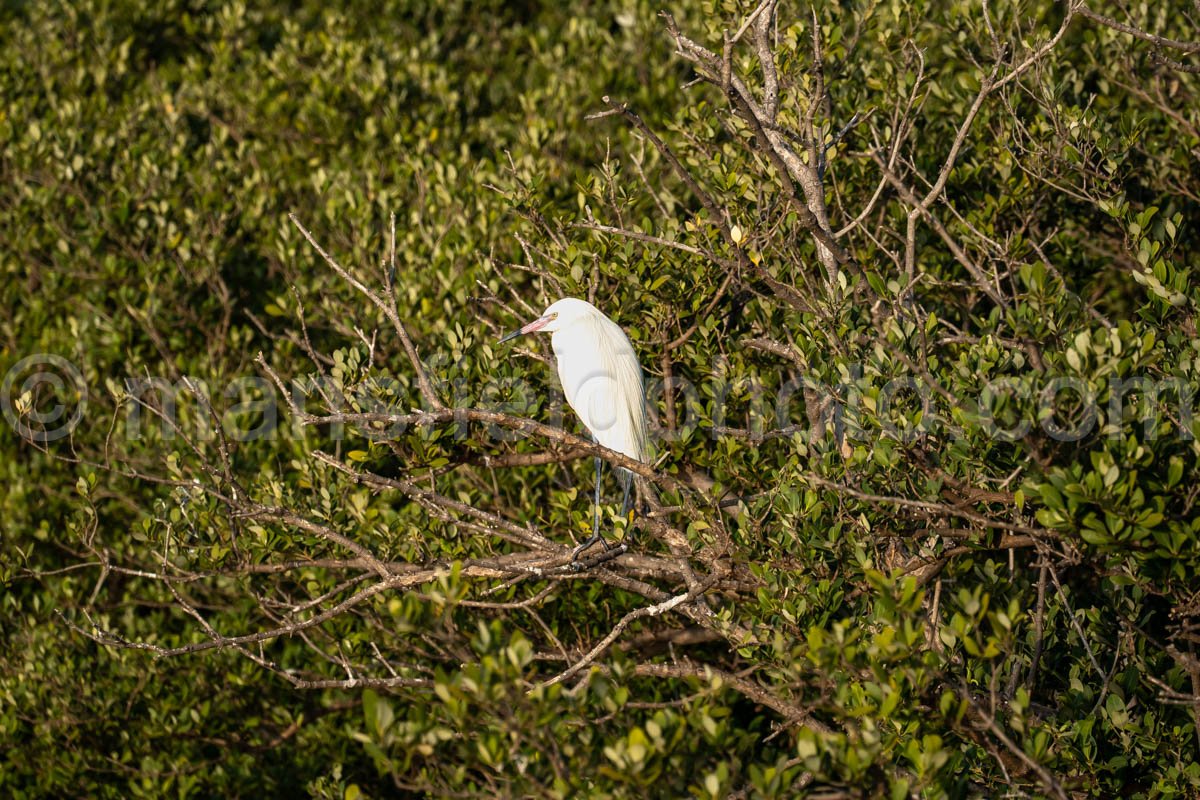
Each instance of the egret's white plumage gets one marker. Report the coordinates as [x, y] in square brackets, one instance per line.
[601, 378]
[599, 372]
[600, 375]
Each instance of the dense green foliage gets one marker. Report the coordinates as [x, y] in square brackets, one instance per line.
[994, 590]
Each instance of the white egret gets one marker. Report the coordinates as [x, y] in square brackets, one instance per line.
[602, 380]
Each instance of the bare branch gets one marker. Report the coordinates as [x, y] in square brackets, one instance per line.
[1160, 41]
[603, 644]
[389, 311]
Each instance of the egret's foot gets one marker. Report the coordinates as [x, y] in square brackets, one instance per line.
[585, 545]
[611, 550]
[577, 564]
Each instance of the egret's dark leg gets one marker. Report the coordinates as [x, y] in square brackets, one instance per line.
[595, 537]
[626, 502]
[596, 501]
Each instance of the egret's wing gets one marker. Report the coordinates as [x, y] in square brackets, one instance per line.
[602, 379]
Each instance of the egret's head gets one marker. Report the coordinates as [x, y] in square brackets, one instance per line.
[557, 316]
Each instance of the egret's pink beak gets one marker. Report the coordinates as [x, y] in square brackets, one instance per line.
[536, 325]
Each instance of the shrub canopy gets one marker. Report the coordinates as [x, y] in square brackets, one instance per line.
[912, 285]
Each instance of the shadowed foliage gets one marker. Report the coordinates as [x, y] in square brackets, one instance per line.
[912, 285]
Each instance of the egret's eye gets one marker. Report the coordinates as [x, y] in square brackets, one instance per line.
[554, 315]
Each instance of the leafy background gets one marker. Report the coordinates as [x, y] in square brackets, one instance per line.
[152, 158]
